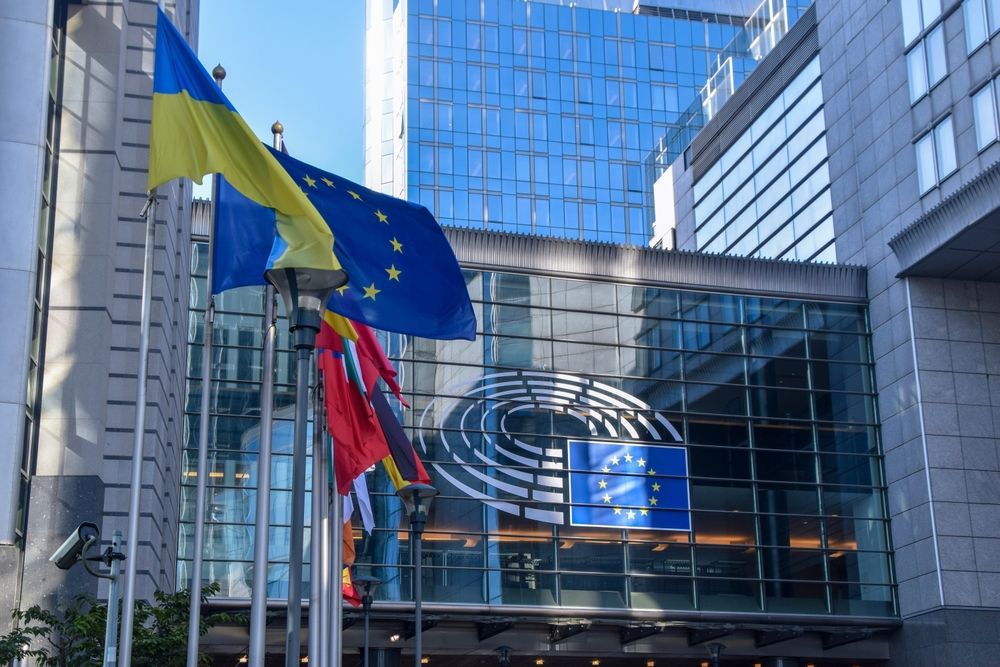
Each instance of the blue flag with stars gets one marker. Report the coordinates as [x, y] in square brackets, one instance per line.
[628, 485]
[402, 272]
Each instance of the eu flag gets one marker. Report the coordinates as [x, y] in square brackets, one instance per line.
[403, 275]
[628, 485]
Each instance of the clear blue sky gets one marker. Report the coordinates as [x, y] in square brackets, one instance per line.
[300, 62]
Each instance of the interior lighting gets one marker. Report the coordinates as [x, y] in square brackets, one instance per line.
[424, 660]
[650, 663]
[595, 662]
[394, 637]
[539, 661]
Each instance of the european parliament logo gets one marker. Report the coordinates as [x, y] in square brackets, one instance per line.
[618, 485]
[596, 468]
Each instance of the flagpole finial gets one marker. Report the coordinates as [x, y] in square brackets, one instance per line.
[218, 73]
[277, 128]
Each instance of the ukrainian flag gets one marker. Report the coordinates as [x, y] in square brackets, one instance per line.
[196, 131]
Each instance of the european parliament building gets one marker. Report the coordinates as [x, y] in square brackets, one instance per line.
[734, 267]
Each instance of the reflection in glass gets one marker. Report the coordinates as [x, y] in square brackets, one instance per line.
[784, 479]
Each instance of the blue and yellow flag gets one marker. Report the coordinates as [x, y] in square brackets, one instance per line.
[403, 273]
[196, 131]
[628, 485]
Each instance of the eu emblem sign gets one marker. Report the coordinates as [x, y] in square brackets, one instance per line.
[628, 485]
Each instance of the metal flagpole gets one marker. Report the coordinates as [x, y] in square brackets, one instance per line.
[337, 566]
[330, 589]
[317, 533]
[204, 426]
[258, 596]
[135, 487]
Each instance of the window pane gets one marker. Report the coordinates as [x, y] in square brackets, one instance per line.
[937, 65]
[911, 20]
[930, 10]
[993, 12]
[917, 72]
[944, 139]
[925, 164]
[975, 23]
[986, 124]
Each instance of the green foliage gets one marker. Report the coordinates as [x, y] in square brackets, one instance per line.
[73, 635]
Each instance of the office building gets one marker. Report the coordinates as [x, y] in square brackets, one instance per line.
[535, 117]
[75, 85]
[886, 162]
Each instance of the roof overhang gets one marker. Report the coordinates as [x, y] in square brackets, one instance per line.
[959, 238]
[585, 260]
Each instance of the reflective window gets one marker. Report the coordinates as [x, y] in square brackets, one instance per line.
[917, 16]
[771, 187]
[984, 109]
[936, 158]
[982, 19]
[771, 400]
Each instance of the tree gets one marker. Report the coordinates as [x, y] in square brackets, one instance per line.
[73, 634]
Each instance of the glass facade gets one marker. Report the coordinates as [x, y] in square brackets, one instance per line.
[771, 400]
[532, 117]
[768, 195]
[237, 374]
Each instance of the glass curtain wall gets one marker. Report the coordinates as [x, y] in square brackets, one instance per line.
[234, 438]
[533, 117]
[769, 193]
[771, 399]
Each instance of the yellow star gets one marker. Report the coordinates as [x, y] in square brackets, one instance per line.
[393, 273]
[328, 182]
[644, 511]
[370, 292]
[607, 498]
[354, 194]
[628, 458]
[656, 488]
[631, 514]
[641, 462]
[396, 245]
[651, 471]
[342, 289]
[603, 484]
[618, 510]
[605, 469]
[311, 182]
[652, 500]
[382, 217]
[614, 460]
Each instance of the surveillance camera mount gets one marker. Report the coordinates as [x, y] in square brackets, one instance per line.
[74, 550]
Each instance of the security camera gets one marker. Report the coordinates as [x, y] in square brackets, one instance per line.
[75, 545]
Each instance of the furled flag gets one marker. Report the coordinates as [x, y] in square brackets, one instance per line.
[403, 273]
[357, 436]
[628, 485]
[196, 131]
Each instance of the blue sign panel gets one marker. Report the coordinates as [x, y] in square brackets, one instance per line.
[628, 485]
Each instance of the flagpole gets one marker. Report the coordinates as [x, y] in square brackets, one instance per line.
[333, 589]
[317, 535]
[204, 426]
[337, 565]
[258, 596]
[135, 486]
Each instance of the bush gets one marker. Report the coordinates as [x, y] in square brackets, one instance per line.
[73, 634]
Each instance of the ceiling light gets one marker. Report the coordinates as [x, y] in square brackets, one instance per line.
[539, 661]
[394, 637]
[424, 660]
[595, 662]
[650, 663]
